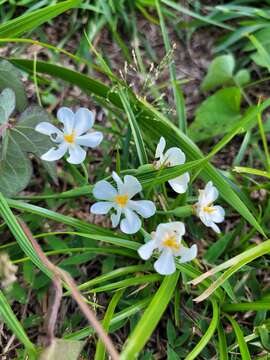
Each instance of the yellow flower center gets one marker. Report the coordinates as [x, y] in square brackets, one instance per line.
[209, 209]
[121, 200]
[70, 138]
[171, 242]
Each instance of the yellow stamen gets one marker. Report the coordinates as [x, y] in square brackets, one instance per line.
[70, 138]
[170, 241]
[209, 209]
[121, 200]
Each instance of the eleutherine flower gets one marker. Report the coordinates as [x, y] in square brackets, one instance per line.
[172, 157]
[72, 137]
[167, 240]
[208, 213]
[121, 201]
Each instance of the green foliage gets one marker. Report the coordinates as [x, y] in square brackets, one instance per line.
[221, 72]
[137, 305]
[217, 115]
[10, 78]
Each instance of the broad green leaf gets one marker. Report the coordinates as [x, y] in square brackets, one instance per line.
[220, 72]
[10, 78]
[61, 349]
[7, 104]
[217, 114]
[29, 140]
[10, 319]
[242, 77]
[15, 168]
[32, 20]
[150, 318]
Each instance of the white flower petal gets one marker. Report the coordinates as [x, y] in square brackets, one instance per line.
[174, 156]
[115, 218]
[215, 228]
[145, 251]
[160, 148]
[49, 129]
[218, 214]
[91, 140]
[165, 265]
[145, 208]
[187, 254]
[103, 190]
[180, 184]
[77, 154]
[210, 193]
[131, 186]
[131, 223]
[119, 183]
[55, 153]
[101, 207]
[84, 120]
[66, 117]
[167, 228]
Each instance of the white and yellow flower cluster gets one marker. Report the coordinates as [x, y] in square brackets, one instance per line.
[120, 202]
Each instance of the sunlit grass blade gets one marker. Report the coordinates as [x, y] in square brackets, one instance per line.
[240, 339]
[100, 349]
[111, 275]
[236, 263]
[10, 319]
[251, 171]
[208, 335]
[32, 20]
[150, 318]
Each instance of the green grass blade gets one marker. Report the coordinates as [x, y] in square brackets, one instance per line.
[178, 94]
[19, 235]
[236, 263]
[150, 318]
[32, 20]
[15, 326]
[100, 349]
[222, 343]
[240, 339]
[208, 335]
[134, 128]
[248, 306]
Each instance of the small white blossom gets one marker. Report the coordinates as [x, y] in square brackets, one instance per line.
[208, 213]
[120, 201]
[72, 137]
[172, 157]
[167, 240]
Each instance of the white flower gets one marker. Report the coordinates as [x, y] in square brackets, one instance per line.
[206, 211]
[120, 200]
[74, 135]
[172, 157]
[167, 240]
